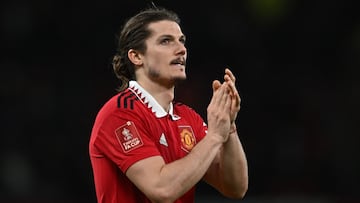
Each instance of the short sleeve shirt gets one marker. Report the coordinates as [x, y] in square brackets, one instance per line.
[132, 126]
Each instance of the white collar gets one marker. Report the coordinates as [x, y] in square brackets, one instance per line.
[150, 101]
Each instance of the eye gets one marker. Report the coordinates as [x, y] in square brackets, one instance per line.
[165, 41]
[182, 40]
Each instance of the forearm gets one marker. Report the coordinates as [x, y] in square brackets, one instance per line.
[228, 173]
[178, 177]
[233, 167]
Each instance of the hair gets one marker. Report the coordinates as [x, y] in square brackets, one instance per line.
[133, 36]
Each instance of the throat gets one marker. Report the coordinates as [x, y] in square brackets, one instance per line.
[164, 100]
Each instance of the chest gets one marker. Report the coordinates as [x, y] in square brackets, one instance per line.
[174, 138]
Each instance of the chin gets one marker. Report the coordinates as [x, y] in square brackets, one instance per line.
[182, 77]
[179, 79]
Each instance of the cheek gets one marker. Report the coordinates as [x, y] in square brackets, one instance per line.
[157, 59]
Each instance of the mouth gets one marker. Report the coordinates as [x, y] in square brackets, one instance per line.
[178, 62]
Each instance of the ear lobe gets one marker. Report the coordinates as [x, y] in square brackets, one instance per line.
[135, 57]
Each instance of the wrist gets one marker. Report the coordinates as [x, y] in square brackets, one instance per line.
[214, 139]
[232, 128]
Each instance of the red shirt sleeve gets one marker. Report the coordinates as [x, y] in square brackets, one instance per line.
[122, 138]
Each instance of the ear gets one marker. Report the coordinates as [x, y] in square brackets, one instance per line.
[135, 57]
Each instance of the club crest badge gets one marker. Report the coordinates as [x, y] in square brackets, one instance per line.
[128, 137]
[187, 137]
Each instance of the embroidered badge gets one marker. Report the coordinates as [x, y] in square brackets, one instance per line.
[128, 137]
[187, 137]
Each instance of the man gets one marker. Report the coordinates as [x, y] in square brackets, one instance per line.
[145, 147]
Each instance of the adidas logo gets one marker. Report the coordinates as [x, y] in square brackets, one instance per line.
[163, 140]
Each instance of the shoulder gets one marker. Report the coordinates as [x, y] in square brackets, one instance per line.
[184, 110]
[182, 106]
[124, 104]
[118, 110]
[125, 100]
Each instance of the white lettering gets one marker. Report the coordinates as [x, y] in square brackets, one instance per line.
[132, 143]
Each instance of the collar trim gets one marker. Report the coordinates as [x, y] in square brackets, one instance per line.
[150, 101]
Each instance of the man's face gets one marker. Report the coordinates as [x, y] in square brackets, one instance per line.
[165, 56]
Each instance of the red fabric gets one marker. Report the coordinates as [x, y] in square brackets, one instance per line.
[126, 131]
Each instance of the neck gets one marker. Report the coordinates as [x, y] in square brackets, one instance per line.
[163, 94]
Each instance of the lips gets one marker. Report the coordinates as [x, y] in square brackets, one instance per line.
[178, 61]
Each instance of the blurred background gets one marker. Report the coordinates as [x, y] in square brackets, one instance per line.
[297, 67]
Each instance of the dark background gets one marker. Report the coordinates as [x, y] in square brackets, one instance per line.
[297, 67]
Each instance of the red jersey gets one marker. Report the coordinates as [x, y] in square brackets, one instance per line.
[132, 126]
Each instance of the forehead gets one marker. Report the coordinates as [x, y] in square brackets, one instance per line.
[165, 27]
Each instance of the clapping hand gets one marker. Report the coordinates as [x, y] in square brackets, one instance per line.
[230, 79]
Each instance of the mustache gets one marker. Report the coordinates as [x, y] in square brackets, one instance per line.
[180, 60]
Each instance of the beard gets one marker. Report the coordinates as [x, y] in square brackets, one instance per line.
[155, 75]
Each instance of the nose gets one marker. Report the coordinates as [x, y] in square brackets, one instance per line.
[181, 49]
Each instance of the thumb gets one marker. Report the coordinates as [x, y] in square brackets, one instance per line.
[215, 85]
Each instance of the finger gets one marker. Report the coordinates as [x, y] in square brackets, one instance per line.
[235, 97]
[218, 91]
[233, 89]
[226, 97]
[223, 90]
[220, 96]
[230, 74]
[231, 85]
[228, 103]
[230, 78]
[227, 78]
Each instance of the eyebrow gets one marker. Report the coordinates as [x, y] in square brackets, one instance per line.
[182, 37]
